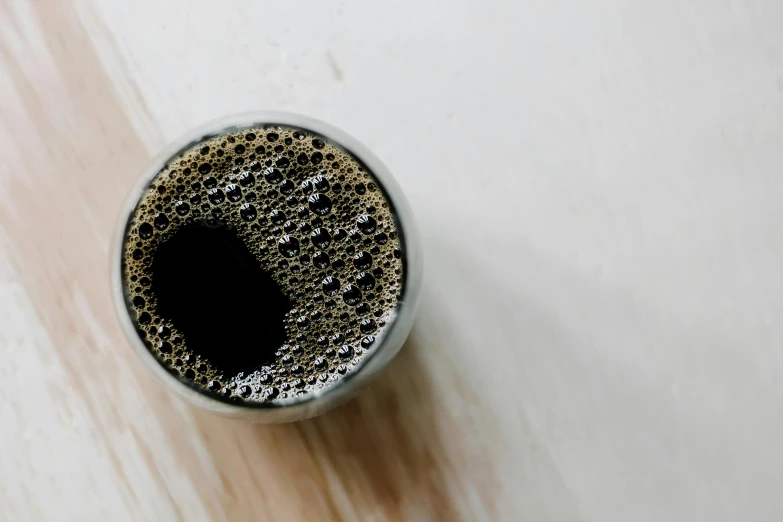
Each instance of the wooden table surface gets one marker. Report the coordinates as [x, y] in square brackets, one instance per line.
[599, 189]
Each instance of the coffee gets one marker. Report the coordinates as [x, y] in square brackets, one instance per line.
[262, 263]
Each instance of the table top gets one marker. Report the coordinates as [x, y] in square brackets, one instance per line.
[598, 189]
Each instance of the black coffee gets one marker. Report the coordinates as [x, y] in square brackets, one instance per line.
[254, 320]
[263, 263]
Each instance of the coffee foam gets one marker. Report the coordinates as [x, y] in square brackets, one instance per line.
[314, 218]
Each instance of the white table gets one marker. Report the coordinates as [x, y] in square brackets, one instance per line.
[599, 187]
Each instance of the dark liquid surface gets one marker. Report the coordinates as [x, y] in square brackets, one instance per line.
[263, 264]
[215, 292]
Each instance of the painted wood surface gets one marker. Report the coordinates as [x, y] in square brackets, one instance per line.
[598, 186]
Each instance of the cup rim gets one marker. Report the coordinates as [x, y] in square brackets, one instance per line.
[387, 344]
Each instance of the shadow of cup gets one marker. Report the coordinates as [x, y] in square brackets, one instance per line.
[380, 451]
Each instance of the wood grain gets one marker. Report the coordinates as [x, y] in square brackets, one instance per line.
[598, 187]
[380, 456]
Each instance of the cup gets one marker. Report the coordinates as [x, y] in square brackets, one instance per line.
[388, 342]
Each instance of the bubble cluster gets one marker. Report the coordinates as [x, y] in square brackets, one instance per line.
[314, 219]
